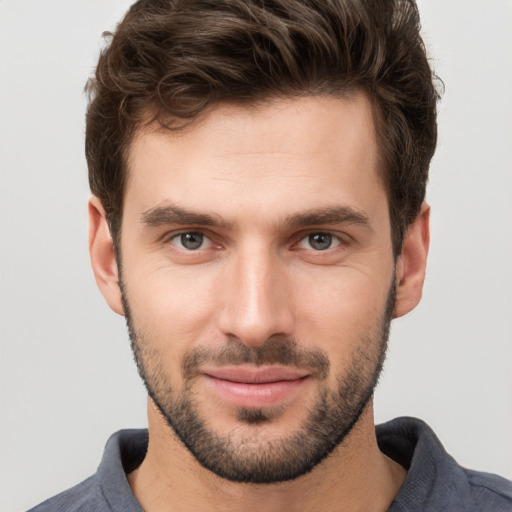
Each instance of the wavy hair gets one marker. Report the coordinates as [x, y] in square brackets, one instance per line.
[174, 58]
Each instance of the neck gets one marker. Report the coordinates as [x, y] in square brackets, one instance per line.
[357, 476]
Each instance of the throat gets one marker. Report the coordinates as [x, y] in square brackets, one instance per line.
[356, 477]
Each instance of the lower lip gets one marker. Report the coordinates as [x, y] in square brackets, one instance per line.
[267, 394]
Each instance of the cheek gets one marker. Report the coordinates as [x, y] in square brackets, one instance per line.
[352, 291]
[341, 312]
[174, 308]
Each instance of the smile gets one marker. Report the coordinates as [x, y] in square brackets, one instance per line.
[256, 387]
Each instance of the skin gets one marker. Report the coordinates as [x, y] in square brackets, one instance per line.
[259, 277]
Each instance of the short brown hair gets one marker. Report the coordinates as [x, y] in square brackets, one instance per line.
[174, 58]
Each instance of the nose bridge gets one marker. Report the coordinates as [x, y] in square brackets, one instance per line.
[256, 303]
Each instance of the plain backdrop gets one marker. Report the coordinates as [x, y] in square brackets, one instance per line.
[67, 376]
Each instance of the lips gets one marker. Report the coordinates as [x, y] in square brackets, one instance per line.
[255, 375]
[255, 387]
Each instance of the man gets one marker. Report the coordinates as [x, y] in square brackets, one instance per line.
[259, 172]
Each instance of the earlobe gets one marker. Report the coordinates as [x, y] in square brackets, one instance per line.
[411, 264]
[101, 250]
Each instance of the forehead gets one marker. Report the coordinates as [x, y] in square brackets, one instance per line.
[279, 154]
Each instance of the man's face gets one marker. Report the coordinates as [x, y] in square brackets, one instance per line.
[258, 280]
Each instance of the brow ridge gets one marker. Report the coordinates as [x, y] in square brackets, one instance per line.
[329, 215]
[173, 214]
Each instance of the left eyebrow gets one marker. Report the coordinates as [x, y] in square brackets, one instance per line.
[172, 214]
[329, 215]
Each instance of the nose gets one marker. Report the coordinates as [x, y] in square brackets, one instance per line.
[257, 303]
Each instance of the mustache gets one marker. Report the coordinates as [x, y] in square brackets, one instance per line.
[277, 350]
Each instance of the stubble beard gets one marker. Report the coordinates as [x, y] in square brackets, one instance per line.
[252, 459]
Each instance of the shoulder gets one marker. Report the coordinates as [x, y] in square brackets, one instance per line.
[435, 482]
[81, 497]
[108, 488]
[489, 492]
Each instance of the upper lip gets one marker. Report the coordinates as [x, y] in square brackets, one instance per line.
[253, 375]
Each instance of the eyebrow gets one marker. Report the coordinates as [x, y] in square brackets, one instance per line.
[172, 214]
[329, 215]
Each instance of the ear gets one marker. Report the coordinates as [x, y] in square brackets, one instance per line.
[101, 250]
[411, 264]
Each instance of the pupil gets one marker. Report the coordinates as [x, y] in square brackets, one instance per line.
[191, 240]
[320, 241]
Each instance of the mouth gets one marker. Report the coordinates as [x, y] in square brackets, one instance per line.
[256, 387]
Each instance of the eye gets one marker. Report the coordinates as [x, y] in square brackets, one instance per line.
[319, 241]
[191, 241]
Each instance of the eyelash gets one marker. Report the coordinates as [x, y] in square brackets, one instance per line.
[332, 239]
[336, 239]
[184, 233]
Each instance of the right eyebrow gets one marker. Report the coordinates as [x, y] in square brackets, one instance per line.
[172, 214]
[329, 215]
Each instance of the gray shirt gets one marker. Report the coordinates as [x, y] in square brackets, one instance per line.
[434, 482]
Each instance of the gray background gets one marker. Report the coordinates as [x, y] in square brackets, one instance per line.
[67, 378]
